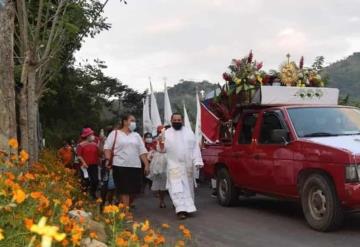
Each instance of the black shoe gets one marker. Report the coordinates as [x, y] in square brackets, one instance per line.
[214, 194]
[182, 215]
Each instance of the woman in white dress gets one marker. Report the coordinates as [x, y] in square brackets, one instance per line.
[157, 174]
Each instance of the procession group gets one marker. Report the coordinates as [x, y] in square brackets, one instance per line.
[116, 165]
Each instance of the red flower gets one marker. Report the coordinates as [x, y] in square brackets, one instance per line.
[238, 63]
[250, 57]
[301, 64]
[226, 76]
[259, 66]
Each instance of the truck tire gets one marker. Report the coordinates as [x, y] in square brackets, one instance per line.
[320, 203]
[227, 194]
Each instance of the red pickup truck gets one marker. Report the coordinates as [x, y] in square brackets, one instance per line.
[306, 153]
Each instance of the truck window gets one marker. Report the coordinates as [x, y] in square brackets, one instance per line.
[271, 121]
[247, 128]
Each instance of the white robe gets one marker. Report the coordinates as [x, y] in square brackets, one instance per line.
[183, 156]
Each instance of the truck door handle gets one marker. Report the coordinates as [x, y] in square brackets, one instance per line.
[238, 154]
[258, 156]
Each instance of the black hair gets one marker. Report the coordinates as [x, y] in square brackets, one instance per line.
[177, 113]
[147, 134]
[125, 118]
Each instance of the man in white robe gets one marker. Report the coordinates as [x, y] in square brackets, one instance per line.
[183, 159]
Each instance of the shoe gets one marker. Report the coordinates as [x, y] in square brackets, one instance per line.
[214, 194]
[182, 215]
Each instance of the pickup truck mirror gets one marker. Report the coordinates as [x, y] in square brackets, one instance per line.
[280, 136]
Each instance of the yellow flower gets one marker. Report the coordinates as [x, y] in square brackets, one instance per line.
[135, 226]
[19, 196]
[24, 156]
[13, 143]
[145, 226]
[1, 234]
[122, 216]
[48, 233]
[165, 226]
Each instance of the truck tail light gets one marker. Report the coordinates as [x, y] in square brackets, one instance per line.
[352, 173]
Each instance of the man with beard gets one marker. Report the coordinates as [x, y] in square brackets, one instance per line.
[183, 158]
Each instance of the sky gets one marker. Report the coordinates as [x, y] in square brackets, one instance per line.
[197, 39]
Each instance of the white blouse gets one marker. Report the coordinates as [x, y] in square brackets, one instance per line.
[128, 148]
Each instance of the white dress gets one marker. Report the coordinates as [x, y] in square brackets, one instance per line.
[158, 169]
[183, 155]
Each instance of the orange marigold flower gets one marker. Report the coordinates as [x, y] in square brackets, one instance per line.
[111, 209]
[65, 242]
[13, 143]
[36, 194]
[24, 156]
[19, 196]
[93, 235]
[160, 239]
[121, 242]
[28, 223]
[180, 243]
[68, 202]
[134, 238]
[10, 175]
[181, 227]
[148, 239]
[165, 226]
[64, 219]
[29, 176]
[187, 233]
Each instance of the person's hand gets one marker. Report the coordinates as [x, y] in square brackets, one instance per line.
[107, 164]
[147, 170]
[199, 165]
[85, 165]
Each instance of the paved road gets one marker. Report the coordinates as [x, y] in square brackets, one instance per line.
[258, 221]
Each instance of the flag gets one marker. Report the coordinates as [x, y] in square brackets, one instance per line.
[210, 125]
[198, 134]
[167, 108]
[187, 123]
[147, 125]
[154, 112]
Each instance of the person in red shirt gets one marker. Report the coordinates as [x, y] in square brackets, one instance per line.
[65, 154]
[88, 154]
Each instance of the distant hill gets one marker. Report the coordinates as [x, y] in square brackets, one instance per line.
[345, 75]
[184, 93]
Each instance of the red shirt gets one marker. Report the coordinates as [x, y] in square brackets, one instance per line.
[89, 152]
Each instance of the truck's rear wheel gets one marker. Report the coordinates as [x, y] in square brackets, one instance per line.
[227, 193]
[320, 203]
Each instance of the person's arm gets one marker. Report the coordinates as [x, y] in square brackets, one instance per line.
[80, 153]
[143, 153]
[144, 159]
[107, 148]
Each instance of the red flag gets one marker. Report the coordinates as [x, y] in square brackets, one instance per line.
[209, 125]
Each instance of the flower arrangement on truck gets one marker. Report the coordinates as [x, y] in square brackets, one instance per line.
[283, 134]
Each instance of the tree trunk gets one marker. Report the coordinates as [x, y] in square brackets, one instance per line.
[32, 115]
[7, 83]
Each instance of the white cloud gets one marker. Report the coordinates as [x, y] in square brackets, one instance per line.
[196, 39]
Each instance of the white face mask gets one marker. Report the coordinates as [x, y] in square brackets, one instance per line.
[132, 126]
[148, 140]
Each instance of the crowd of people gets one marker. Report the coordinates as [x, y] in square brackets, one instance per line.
[118, 165]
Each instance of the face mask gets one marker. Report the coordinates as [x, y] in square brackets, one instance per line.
[132, 126]
[91, 138]
[148, 140]
[177, 126]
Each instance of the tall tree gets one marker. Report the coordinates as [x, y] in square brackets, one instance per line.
[7, 84]
[47, 33]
